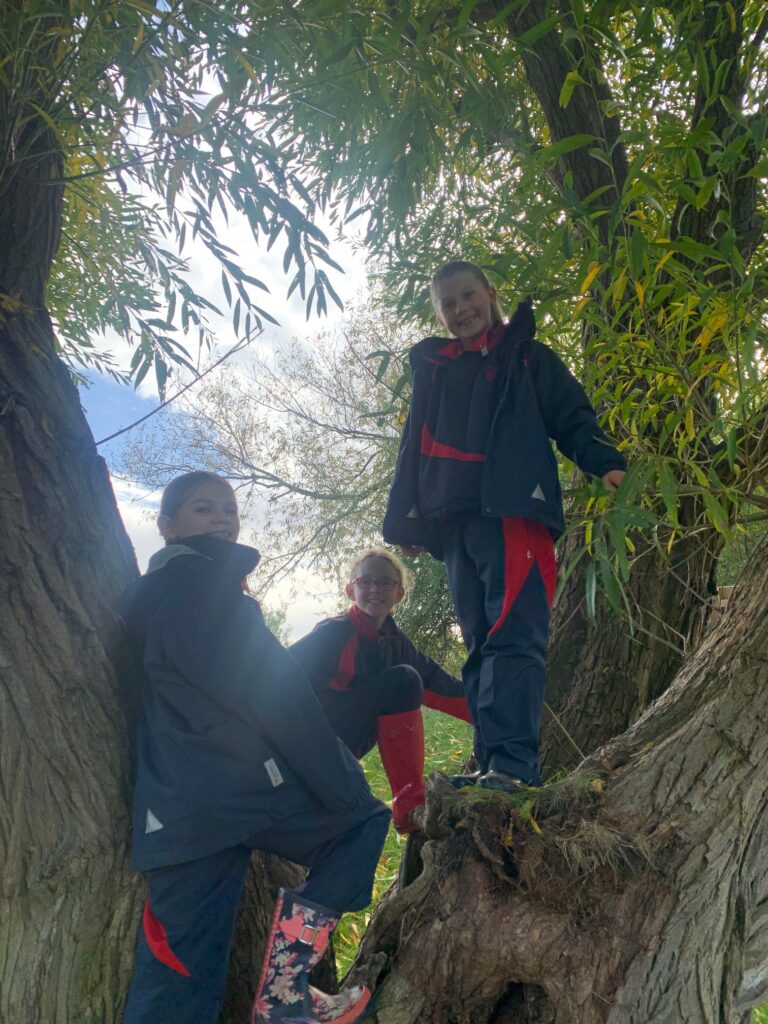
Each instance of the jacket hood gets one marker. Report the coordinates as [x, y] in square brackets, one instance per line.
[521, 325]
[140, 601]
[240, 559]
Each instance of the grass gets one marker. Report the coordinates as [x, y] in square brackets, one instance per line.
[448, 743]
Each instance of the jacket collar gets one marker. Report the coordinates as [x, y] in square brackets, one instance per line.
[365, 626]
[239, 559]
[437, 350]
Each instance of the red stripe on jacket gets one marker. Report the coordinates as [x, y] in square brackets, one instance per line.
[345, 669]
[438, 450]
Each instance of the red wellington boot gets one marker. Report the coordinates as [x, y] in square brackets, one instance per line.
[401, 745]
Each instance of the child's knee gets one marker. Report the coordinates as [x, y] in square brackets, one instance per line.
[407, 688]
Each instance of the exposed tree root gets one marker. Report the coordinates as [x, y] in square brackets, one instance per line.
[544, 852]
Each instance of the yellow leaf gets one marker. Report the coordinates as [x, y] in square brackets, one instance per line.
[689, 424]
[535, 827]
[640, 292]
[249, 69]
[594, 270]
[598, 785]
[580, 305]
[10, 303]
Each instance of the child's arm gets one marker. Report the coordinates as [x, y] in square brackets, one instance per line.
[570, 418]
[442, 692]
[318, 652]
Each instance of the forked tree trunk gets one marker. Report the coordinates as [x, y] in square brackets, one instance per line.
[641, 895]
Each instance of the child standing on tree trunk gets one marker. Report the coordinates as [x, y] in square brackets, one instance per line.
[476, 485]
[234, 754]
[371, 681]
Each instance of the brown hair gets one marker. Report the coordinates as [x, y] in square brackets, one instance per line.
[388, 556]
[180, 488]
[458, 267]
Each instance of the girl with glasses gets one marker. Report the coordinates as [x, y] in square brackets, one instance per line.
[371, 680]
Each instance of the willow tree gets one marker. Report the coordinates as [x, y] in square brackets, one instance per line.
[609, 160]
[125, 129]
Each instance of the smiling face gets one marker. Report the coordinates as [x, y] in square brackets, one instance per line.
[210, 508]
[376, 588]
[464, 305]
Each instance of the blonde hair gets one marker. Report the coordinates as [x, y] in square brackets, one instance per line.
[458, 267]
[388, 556]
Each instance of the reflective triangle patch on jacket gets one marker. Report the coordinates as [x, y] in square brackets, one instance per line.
[153, 823]
[538, 493]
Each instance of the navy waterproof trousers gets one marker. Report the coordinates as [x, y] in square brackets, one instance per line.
[501, 573]
[184, 941]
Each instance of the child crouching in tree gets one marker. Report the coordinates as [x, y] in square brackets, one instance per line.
[234, 754]
[371, 681]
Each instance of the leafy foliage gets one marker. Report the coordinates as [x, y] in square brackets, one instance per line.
[159, 115]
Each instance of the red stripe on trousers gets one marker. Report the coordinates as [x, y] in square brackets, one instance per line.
[157, 940]
[525, 542]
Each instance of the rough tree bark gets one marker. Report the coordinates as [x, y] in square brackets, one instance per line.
[641, 893]
[601, 676]
[68, 896]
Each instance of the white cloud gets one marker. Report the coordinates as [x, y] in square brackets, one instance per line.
[138, 510]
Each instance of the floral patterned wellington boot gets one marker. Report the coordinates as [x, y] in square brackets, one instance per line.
[297, 940]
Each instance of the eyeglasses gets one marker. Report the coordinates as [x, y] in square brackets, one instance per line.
[368, 582]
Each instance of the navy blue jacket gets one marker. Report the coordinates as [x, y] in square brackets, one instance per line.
[538, 399]
[341, 653]
[230, 737]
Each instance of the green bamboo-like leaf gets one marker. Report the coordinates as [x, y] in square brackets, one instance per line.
[669, 492]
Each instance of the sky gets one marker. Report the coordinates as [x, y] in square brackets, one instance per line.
[109, 406]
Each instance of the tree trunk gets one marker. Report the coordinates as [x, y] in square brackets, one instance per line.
[641, 893]
[68, 896]
[601, 676]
